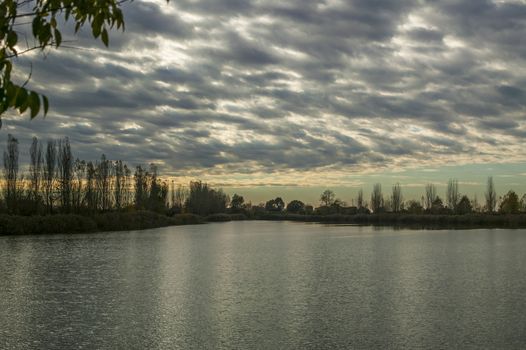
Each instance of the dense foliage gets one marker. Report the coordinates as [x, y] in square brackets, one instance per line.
[41, 20]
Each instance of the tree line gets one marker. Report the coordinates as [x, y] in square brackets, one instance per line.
[454, 203]
[56, 182]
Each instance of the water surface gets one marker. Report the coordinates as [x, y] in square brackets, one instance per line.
[264, 285]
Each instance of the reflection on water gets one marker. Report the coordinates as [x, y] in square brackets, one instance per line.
[264, 285]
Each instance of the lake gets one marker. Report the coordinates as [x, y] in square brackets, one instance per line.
[264, 285]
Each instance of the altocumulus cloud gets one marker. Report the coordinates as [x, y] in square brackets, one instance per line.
[273, 88]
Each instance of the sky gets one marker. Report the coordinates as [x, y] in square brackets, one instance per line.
[267, 98]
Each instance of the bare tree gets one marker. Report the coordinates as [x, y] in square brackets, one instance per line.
[127, 187]
[140, 187]
[119, 185]
[475, 206]
[491, 195]
[359, 200]
[172, 193]
[103, 183]
[65, 173]
[11, 174]
[431, 194]
[327, 198]
[35, 173]
[452, 195]
[181, 194]
[396, 198]
[49, 174]
[90, 191]
[79, 171]
[377, 198]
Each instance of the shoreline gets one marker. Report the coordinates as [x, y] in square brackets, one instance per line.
[13, 225]
[413, 221]
[141, 220]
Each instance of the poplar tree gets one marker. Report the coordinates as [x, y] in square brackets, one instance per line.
[50, 161]
[65, 174]
[35, 173]
[11, 174]
[491, 196]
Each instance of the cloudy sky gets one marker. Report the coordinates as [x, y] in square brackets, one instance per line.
[265, 97]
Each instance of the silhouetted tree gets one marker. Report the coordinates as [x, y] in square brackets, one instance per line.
[11, 174]
[276, 204]
[65, 173]
[327, 198]
[102, 179]
[337, 206]
[203, 200]
[491, 196]
[464, 206]
[431, 194]
[50, 162]
[522, 203]
[158, 191]
[119, 185]
[510, 203]
[280, 204]
[181, 194]
[141, 187]
[396, 198]
[236, 204]
[79, 174]
[452, 194]
[219, 201]
[377, 198]
[437, 207]
[91, 191]
[128, 194]
[475, 206]
[359, 200]
[35, 173]
[172, 194]
[414, 207]
[296, 207]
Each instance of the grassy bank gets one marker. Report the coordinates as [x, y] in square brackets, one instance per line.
[140, 220]
[410, 220]
[70, 223]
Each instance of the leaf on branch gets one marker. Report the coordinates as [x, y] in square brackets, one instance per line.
[34, 104]
[58, 37]
[46, 104]
[21, 97]
[12, 39]
[104, 37]
[100, 15]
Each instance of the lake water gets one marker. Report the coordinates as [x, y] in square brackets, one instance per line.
[264, 285]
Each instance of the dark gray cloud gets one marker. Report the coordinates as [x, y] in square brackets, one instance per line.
[270, 86]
